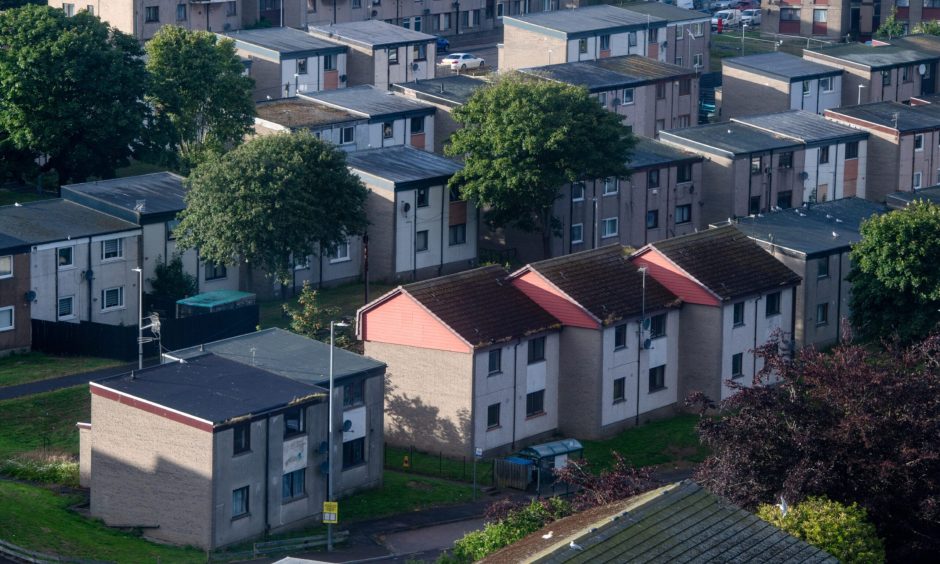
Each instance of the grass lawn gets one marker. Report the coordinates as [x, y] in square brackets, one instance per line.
[434, 465]
[30, 367]
[346, 298]
[402, 493]
[38, 519]
[43, 421]
[10, 197]
[671, 441]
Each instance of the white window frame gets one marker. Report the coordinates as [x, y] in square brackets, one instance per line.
[919, 136]
[807, 88]
[605, 232]
[623, 97]
[104, 299]
[580, 186]
[918, 180]
[698, 59]
[71, 263]
[12, 324]
[342, 135]
[580, 238]
[8, 273]
[119, 251]
[610, 187]
[341, 253]
[828, 81]
[58, 308]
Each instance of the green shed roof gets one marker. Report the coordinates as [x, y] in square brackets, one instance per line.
[217, 298]
[552, 449]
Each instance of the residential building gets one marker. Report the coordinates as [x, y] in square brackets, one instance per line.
[80, 262]
[445, 94]
[900, 200]
[835, 155]
[735, 298]
[439, 18]
[746, 170]
[473, 363]
[419, 227]
[152, 202]
[286, 61]
[143, 18]
[881, 73]
[582, 34]
[380, 53]
[649, 94]
[619, 342]
[814, 242]
[15, 302]
[903, 146]
[776, 82]
[826, 20]
[688, 33]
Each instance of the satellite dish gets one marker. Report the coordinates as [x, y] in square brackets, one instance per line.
[922, 69]
[648, 344]
[405, 208]
[415, 66]
[347, 426]
[30, 296]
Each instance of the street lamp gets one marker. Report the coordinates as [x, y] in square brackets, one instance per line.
[860, 86]
[154, 321]
[639, 342]
[329, 438]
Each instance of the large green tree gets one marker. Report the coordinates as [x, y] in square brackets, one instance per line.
[270, 199]
[891, 27]
[896, 275]
[71, 89]
[523, 139]
[199, 92]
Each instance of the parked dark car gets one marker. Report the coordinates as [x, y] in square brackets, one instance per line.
[442, 44]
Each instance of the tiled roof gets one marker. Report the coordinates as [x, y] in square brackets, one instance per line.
[727, 262]
[482, 306]
[604, 282]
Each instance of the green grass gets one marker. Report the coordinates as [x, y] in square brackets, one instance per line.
[43, 422]
[10, 197]
[671, 441]
[435, 465]
[346, 299]
[402, 493]
[30, 367]
[38, 519]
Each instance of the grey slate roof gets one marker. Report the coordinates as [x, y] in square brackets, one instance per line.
[781, 65]
[900, 200]
[610, 73]
[667, 12]
[162, 193]
[584, 21]
[370, 101]
[803, 126]
[809, 230]
[402, 166]
[301, 113]
[649, 153]
[880, 57]
[289, 355]
[370, 33]
[727, 139]
[450, 91]
[285, 42]
[909, 118]
[48, 221]
[212, 388]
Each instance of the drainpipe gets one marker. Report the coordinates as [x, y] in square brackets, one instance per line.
[267, 479]
[90, 277]
[515, 372]
[639, 344]
[753, 355]
[445, 198]
[838, 303]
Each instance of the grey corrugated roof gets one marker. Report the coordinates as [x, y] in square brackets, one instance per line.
[781, 65]
[809, 230]
[874, 57]
[48, 221]
[284, 40]
[451, 91]
[610, 73]
[403, 165]
[161, 193]
[900, 200]
[585, 20]
[729, 137]
[649, 153]
[300, 113]
[289, 355]
[370, 101]
[909, 118]
[667, 12]
[370, 33]
[803, 126]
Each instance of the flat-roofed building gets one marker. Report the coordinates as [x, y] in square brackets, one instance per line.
[446, 94]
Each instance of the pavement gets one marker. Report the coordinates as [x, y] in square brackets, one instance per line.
[52, 384]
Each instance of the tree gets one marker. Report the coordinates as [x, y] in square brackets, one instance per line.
[929, 27]
[891, 27]
[853, 425]
[10, 4]
[171, 281]
[523, 139]
[619, 482]
[200, 95]
[312, 318]
[71, 88]
[841, 530]
[895, 275]
[271, 199]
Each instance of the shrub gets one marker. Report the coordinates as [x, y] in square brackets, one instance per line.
[51, 469]
[842, 531]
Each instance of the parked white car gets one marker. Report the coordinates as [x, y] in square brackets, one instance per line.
[462, 61]
[730, 18]
[751, 17]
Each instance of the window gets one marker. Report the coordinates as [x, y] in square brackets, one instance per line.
[685, 87]
[806, 88]
[6, 318]
[152, 14]
[605, 43]
[354, 394]
[822, 314]
[823, 155]
[917, 180]
[171, 229]
[499, 10]
[112, 249]
[64, 308]
[294, 421]
[786, 160]
[660, 90]
[241, 438]
[292, 484]
[329, 62]
[577, 192]
[772, 307]
[536, 350]
[851, 150]
[240, 502]
[658, 326]
[652, 219]
[697, 60]
[678, 61]
[886, 78]
[789, 14]
[785, 199]
[755, 165]
[602, 99]
[620, 336]
[684, 173]
[610, 186]
[535, 403]
[919, 142]
[754, 205]
[631, 39]
[393, 56]
[340, 253]
[354, 452]
[698, 29]
[444, 21]
[495, 361]
[112, 298]
[582, 46]
[69, 9]
[825, 84]
[215, 271]
[820, 16]
[657, 378]
[609, 227]
[65, 257]
[577, 233]
[347, 135]
[737, 365]
[457, 234]
[231, 9]
[422, 198]
[388, 130]
[421, 241]
[181, 12]
[417, 125]
[652, 179]
[738, 316]
[6, 266]
[301, 66]
[652, 36]
[492, 416]
[620, 390]
[420, 51]
[822, 268]
[683, 214]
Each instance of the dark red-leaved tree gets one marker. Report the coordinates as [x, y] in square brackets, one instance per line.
[851, 424]
[619, 482]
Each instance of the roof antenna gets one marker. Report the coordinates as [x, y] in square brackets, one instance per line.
[894, 117]
[253, 351]
[132, 375]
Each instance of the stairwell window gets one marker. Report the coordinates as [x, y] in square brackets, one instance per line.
[919, 142]
[658, 326]
[851, 150]
[620, 336]
[582, 46]
[302, 66]
[824, 155]
[536, 350]
[822, 314]
[737, 365]
[577, 233]
[577, 192]
[492, 416]
[421, 241]
[231, 9]
[535, 403]
[292, 484]
[772, 305]
[354, 452]
[181, 12]
[683, 214]
[620, 390]
[657, 378]
[241, 438]
[786, 160]
[65, 257]
[605, 43]
[495, 361]
[240, 502]
[738, 315]
[294, 422]
[354, 394]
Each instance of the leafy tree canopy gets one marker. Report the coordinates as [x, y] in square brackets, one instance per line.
[891, 27]
[311, 319]
[71, 89]
[523, 139]
[270, 199]
[929, 27]
[199, 92]
[171, 281]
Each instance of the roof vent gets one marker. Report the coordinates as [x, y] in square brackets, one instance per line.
[141, 205]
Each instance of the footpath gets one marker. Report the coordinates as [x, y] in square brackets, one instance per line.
[52, 384]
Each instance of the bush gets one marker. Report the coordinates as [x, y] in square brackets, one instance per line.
[842, 531]
[51, 469]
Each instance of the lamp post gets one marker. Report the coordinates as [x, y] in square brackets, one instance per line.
[860, 86]
[639, 342]
[140, 317]
[691, 39]
[329, 439]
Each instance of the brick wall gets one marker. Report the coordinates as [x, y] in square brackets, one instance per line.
[744, 94]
